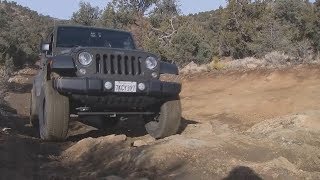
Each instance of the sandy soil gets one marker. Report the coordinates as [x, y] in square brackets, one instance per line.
[236, 125]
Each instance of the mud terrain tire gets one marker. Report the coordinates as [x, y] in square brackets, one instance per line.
[168, 121]
[53, 115]
[34, 119]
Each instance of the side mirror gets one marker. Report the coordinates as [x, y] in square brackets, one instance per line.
[45, 47]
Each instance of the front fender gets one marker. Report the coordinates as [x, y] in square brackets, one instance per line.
[167, 68]
[61, 63]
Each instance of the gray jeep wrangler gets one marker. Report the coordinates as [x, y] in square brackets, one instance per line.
[100, 74]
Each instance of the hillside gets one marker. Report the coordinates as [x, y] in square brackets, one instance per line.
[241, 29]
[21, 31]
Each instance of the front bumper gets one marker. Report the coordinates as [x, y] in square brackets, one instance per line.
[91, 86]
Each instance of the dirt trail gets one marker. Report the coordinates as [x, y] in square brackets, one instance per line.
[242, 125]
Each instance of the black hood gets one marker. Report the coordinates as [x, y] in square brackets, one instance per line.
[103, 50]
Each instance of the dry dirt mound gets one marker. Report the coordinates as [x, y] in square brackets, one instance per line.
[88, 145]
[281, 148]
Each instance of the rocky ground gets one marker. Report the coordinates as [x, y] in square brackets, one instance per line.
[259, 124]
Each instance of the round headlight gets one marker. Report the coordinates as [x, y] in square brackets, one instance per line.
[85, 58]
[151, 63]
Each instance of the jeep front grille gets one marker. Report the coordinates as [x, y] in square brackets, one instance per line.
[118, 64]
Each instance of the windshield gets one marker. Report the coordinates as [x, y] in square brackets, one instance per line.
[69, 37]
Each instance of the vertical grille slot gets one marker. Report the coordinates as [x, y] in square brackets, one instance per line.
[127, 65]
[123, 65]
[136, 66]
[105, 64]
[133, 64]
[139, 65]
[112, 64]
[119, 61]
[98, 65]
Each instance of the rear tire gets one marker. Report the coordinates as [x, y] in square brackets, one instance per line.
[168, 121]
[34, 119]
[53, 115]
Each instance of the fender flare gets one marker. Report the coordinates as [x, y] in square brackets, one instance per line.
[61, 63]
[168, 68]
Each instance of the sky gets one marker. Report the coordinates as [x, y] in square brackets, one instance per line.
[63, 9]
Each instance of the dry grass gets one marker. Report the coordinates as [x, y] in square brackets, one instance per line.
[216, 64]
[272, 60]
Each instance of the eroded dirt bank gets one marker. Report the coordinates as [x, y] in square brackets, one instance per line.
[258, 124]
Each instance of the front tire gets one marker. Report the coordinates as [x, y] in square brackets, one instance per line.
[168, 121]
[34, 119]
[53, 115]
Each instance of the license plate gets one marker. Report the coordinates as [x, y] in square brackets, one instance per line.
[125, 86]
